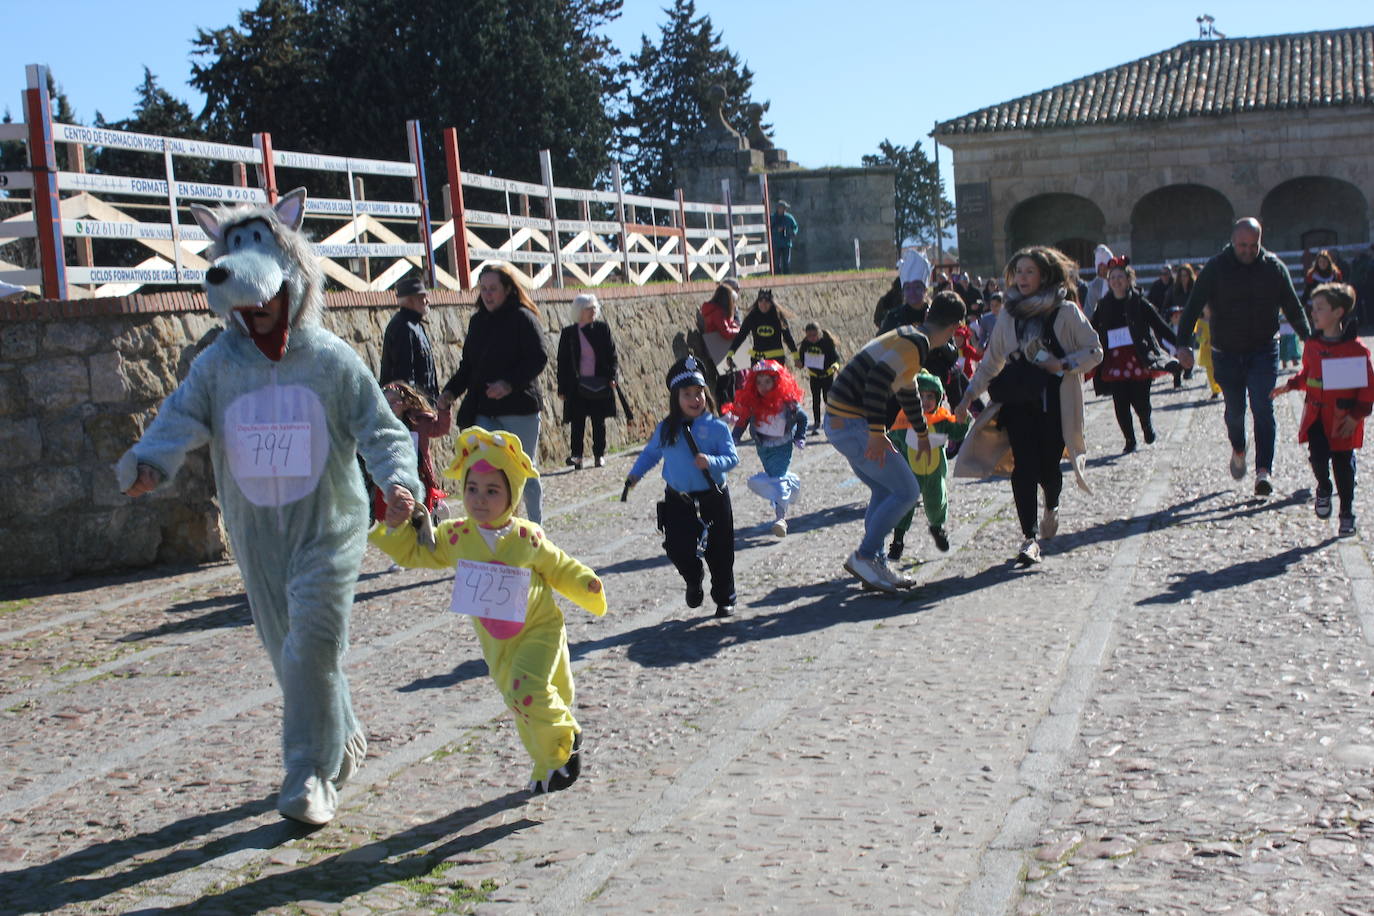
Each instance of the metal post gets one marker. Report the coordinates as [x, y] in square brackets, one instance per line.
[359, 192]
[417, 159]
[267, 171]
[682, 239]
[47, 204]
[551, 207]
[77, 154]
[939, 224]
[730, 225]
[620, 218]
[172, 208]
[455, 197]
[767, 217]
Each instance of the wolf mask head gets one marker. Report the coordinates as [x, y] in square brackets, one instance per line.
[264, 279]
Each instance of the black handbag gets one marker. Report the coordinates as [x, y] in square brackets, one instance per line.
[593, 387]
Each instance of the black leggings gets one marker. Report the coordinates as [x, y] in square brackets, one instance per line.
[1326, 463]
[696, 524]
[1132, 394]
[1037, 447]
[578, 421]
[820, 387]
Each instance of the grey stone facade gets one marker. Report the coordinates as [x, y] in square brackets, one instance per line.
[1162, 181]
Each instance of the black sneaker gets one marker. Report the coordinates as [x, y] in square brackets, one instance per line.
[1029, 554]
[895, 551]
[696, 595]
[1149, 435]
[941, 539]
[725, 610]
[1322, 505]
[1347, 526]
[1262, 485]
[564, 776]
[1130, 447]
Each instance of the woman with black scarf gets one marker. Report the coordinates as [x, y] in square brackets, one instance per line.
[1130, 329]
[1032, 371]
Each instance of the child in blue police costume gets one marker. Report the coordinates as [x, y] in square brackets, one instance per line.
[695, 515]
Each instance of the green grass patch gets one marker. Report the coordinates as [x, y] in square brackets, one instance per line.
[9, 607]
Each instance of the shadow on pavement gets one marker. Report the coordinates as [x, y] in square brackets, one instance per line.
[63, 881]
[366, 867]
[1190, 512]
[680, 642]
[465, 671]
[1243, 573]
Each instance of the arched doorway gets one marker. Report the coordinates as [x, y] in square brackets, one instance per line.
[1073, 224]
[1180, 222]
[1314, 207]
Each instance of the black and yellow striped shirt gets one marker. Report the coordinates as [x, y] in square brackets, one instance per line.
[887, 365]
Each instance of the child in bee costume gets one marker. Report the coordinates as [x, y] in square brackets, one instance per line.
[932, 471]
[528, 659]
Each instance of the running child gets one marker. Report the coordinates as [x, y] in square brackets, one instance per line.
[1338, 381]
[769, 404]
[695, 514]
[818, 356]
[932, 468]
[526, 649]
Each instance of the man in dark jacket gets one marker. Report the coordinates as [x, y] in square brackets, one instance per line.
[406, 354]
[1246, 286]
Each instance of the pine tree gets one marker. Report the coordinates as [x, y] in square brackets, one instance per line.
[160, 113]
[920, 194]
[671, 81]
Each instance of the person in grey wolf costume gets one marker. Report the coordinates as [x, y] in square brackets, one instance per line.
[285, 405]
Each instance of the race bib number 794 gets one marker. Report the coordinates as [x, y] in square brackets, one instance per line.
[272, 449]
[491, 590]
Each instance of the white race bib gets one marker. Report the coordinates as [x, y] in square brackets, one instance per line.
[813, 360]
[491, 590]
[1346, 372]
[1119, 337]
[271, 449]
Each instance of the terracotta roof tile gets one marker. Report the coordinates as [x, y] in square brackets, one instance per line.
[1213, 77]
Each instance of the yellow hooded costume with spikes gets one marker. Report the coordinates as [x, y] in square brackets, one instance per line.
[528, 660]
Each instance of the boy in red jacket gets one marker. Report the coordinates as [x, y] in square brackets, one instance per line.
[1339, 383]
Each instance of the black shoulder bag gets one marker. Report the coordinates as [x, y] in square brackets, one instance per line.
[1021, 381]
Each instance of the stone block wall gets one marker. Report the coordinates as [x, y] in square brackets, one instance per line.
[834, 207]
[80, 381]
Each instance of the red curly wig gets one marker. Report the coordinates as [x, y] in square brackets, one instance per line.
[764, 407]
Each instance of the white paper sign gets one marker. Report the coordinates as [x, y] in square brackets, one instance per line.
[813, 360]
[491, 590]
[1347, 372]
[272, 449]
[1118, 337]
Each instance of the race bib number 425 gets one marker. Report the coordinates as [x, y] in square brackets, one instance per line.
[491, 590]
[272, 449]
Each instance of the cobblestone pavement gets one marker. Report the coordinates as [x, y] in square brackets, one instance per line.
[1171, 714]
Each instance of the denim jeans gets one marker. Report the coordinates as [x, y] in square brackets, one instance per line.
[526, 427]
[1253, 373]
[892, 486]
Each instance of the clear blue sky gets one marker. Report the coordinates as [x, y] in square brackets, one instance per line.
[841, 76]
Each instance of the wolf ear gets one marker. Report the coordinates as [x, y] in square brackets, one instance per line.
[291, 208]
[205, 218]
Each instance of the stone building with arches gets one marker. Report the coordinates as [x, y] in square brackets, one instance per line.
[1157, 157]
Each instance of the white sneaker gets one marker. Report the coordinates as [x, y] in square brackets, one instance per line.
[394, 567]
[867, 571]
[1263, 486]
[601, 461]
[780, 528]
[1049, 523]
[897, 578]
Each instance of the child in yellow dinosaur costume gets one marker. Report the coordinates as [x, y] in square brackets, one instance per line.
[527, 657]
